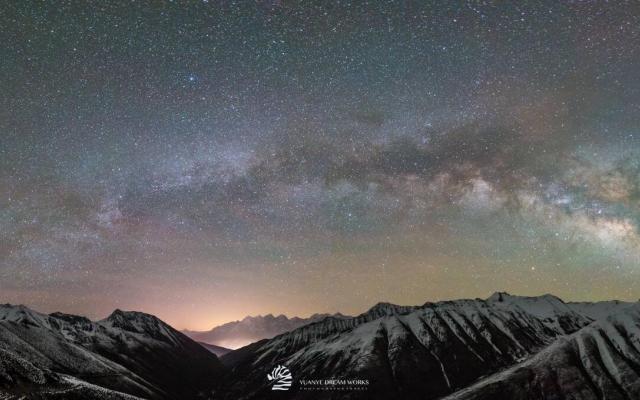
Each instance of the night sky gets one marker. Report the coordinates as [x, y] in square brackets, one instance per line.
[203, 161]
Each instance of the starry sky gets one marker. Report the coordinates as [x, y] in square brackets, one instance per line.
[203, 161]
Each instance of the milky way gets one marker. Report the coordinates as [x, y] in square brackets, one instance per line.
[205, 161]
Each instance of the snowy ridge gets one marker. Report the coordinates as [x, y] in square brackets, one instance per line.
[452, 343]
[331, 324]
[128, 352]
[141, 323]
[23, 315]
[545, 316]
[601, 309]
[555, 312]
[18, 376]
[601, 360]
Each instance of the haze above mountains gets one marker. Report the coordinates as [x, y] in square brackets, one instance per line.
[504, 347]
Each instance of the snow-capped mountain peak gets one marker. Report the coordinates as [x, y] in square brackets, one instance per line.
[498, 296]
[549, 308]
[141, 323]
[23, 315]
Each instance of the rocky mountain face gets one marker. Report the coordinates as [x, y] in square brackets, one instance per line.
[424, 352]
[237, 334]
[601, 361]
[128, 352]
[21, 379]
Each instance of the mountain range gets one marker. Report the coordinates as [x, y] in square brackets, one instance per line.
[502, 347]
[236, 334]
[127, 355]
[440, 349]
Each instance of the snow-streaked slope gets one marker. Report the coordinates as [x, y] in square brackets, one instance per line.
[237, 334]
[130, 352]
[406, 352]
[21, 379]
[57, 345]
[163, 356]
[600, 361]
[145, 325]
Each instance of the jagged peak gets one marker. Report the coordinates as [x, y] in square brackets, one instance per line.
[498, 296]
[505, 296]
[141, 323]
[269, 316]
[134, 321]
[280, 317]
[24, 315]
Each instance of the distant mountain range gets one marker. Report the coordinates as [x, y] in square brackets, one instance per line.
[504, 347]
[234, 335]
